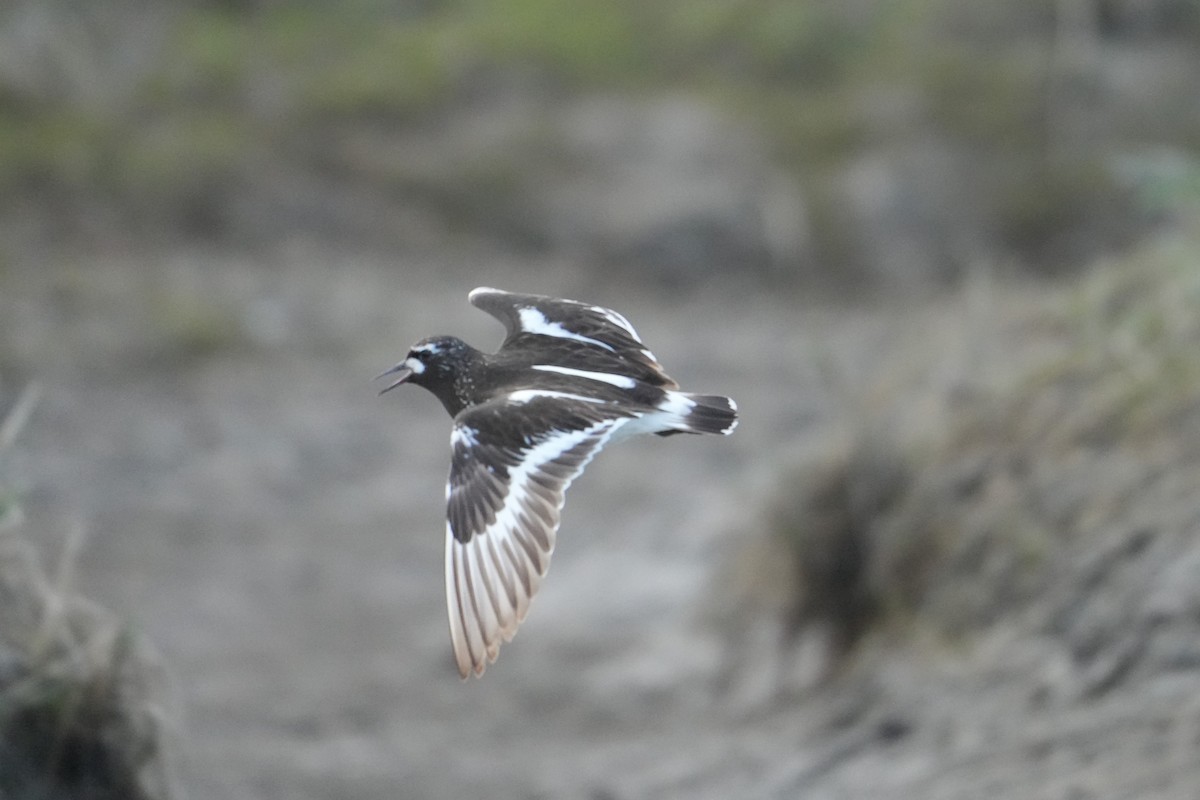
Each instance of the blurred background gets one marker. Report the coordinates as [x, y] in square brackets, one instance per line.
[943, 254]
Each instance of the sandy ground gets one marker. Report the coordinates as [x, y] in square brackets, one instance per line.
[275, 529]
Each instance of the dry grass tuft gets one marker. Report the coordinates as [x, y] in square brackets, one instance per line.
[1007, 504]
[80, 712]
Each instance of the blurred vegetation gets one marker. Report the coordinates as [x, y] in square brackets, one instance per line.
[1051, 461]
[80, 695]
[219, 96]
[1020, 489]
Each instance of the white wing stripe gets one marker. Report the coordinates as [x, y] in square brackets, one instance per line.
[616, 319]
[534, 321]
[464, 435]
[616, 380]
[522, 396]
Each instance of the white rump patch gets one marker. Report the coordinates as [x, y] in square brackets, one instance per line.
[605, 377]
[522, 396]
[668, 416]
[534, 321]
[677, 404]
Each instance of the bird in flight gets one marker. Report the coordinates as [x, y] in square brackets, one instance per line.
[568, 379]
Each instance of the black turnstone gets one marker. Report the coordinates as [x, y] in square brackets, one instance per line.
[568, 379]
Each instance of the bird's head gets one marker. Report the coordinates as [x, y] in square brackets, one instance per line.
[430, 363]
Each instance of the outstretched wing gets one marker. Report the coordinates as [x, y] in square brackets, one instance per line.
[513, 458]
[570, 327]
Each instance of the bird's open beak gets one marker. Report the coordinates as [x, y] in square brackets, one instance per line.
[403, 373]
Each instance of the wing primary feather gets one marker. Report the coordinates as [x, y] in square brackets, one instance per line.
[494, 616]
[509, 596]
[516, 556]
[458, 635]
[470, 613]
[521, 569]
[489, 624]
[503, 575]
[534, 510]
[536, 528]
[537, 557]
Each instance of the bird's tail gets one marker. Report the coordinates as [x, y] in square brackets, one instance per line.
[706, 413]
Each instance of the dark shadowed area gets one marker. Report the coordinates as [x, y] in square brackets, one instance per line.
[944, 255]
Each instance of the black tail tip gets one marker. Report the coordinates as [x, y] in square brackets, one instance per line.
[712, 413]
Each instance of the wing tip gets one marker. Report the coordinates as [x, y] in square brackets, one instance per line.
[480, 291]
[480, 619]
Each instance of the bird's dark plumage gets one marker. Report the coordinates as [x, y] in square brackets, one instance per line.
[568, 378]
